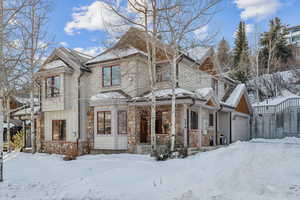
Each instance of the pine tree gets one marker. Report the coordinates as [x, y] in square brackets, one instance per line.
[241, 59]
[224, 55]
[274, 47]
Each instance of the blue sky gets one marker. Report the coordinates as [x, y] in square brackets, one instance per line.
[75, 23]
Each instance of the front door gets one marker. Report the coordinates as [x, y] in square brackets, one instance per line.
[144, 128]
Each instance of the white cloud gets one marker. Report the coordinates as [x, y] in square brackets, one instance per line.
[259, 9]
[92, 51]
[202, 32]
[93, 17]
[64, 44]
[249, 28]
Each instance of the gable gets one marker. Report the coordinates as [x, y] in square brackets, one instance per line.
[242, 106]
[211, 103]
[208, 66]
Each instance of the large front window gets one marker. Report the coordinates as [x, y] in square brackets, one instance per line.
[162, 122]
[52, 86]
[111, 76]
[104, 122]
[59, 130]
[194, 120]
[122, 122]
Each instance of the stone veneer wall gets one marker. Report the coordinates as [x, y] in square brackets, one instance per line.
[194, 138]
[90, 127]
[206, 138]
[63, 147]
[40, 134]
[134, 115]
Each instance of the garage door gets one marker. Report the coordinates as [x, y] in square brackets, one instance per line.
[240, 128]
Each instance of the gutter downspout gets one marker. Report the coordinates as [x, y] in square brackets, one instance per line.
[79, 118]
[216, 135]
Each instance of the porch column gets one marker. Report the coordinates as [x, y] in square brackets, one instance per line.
[185, 123]
[200, 126]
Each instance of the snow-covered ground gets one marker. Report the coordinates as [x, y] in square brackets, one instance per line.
[260, 170]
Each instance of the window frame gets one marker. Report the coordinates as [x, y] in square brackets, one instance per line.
[104, 124]
[51, 87]
[110, 76]
[161, 72]
[62, 135]
[126, 125]
[161, 132]
[194, 122]
[211, 120]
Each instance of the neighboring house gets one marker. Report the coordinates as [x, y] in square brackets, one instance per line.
[293, 38]
[277, 117]
[102, 104]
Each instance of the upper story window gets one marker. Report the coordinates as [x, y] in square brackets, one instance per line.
[111, 76]
[162, 73]
[53, 86]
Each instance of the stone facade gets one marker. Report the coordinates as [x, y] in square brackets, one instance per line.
[65, 148]
[134, 127]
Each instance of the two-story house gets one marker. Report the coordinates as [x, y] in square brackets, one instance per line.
[102, 104]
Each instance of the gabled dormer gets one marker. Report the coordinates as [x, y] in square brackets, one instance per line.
[57, 78]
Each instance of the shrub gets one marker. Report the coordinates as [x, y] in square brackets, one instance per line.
[18, 140]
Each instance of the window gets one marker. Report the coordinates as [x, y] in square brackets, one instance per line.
[122, 122]
[214, 85]
[52, 86]
[211, 119]
[58, 130]
[162, 73]
[162, 122]
[111, 76]
[104, 122]
[194, 120]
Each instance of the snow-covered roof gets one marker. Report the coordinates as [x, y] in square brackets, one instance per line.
[235, 96]
[204, 92]
[54, 64]
[24, 100]
[27, 111]
[276, 100]
[115, 54]
[107, 96]
[5, 125]
[198, 53]
[179, 92]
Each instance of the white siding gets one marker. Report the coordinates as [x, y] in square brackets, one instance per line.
[71, 121]
[113, 141]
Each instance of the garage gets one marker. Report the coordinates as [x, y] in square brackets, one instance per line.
[240, 128]
[241, 114]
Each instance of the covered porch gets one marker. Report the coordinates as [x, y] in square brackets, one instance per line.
[196, 122]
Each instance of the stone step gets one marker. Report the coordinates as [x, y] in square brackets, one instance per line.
[107, 151]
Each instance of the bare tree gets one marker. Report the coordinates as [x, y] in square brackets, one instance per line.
[180, 20]
[32, 24]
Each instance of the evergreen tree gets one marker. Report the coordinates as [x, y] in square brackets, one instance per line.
[224, 55]
[274, 47]
[241, 61]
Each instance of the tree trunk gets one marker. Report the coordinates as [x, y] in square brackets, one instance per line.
[32, 124]
[8, 122]
[173, 109]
